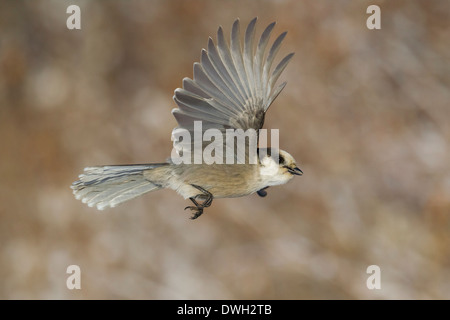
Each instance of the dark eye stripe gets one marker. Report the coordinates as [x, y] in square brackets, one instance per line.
[281, 159]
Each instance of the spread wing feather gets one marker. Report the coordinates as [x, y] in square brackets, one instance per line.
[232, 87]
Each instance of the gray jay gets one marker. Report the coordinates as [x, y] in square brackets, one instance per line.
[232, 88]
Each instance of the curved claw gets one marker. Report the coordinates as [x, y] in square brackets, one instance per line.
[198, 211]
[198, 208]
[197, 214]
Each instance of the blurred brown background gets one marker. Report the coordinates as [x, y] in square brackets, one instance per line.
[365, 113]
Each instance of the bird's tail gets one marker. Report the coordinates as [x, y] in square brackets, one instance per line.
[109, 186]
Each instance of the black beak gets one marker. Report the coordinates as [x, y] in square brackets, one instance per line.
[295, 171]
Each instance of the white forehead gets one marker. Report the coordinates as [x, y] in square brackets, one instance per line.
[287, 156]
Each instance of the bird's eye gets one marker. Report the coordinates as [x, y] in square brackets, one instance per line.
[281, 159]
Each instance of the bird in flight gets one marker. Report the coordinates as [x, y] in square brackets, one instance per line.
[231, 91]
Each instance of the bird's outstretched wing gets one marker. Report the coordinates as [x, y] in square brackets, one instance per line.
[232, 87]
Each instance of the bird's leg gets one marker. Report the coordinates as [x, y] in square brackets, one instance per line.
[262, 192]
[198, 208]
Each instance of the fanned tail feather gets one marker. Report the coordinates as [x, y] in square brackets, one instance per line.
[108, 186]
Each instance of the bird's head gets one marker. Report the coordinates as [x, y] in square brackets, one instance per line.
[277, 166]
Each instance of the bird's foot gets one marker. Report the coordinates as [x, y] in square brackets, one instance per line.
[262, 192]
[198, 207]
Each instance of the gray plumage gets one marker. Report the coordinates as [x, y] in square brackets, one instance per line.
[232, 87]
[111, 185]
